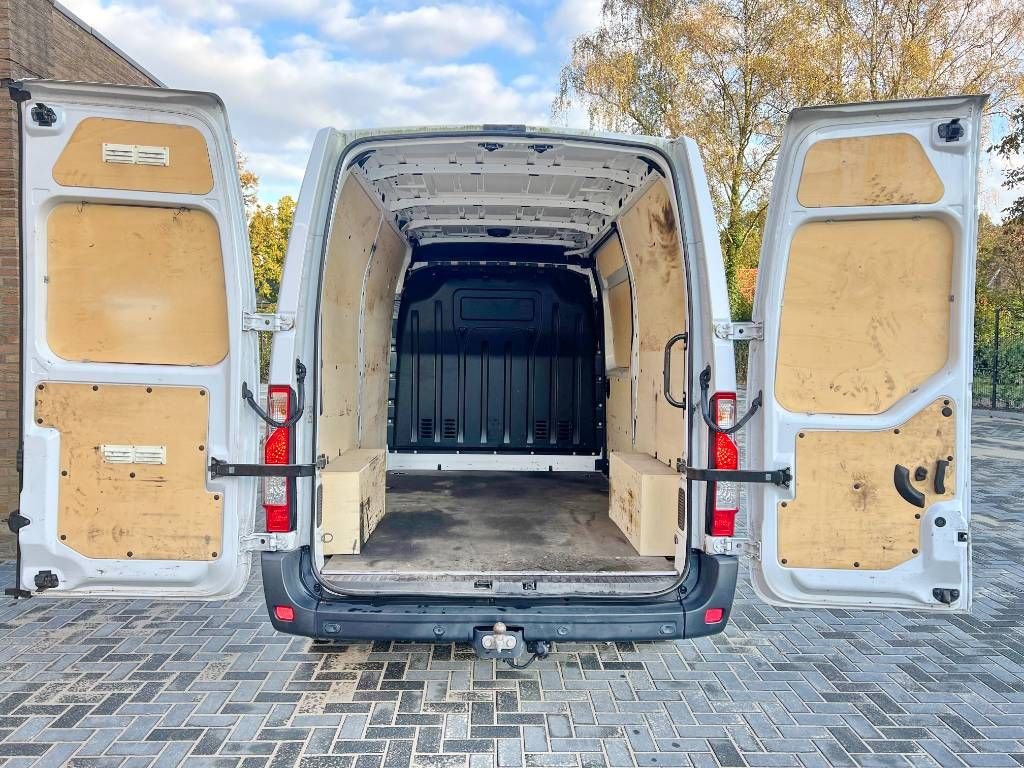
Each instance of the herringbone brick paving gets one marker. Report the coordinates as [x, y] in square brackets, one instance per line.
[149, 683]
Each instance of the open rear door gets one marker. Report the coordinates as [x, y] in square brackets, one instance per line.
[136, 275]
[866, 295]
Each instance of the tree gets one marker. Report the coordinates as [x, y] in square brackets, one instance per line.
[269, 227]
[727, 72]
[1011, 147]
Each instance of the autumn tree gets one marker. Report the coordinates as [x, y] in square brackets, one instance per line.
[1011, 147]
[269, 227]
[728, 72]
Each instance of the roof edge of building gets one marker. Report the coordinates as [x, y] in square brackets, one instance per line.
[74, 18]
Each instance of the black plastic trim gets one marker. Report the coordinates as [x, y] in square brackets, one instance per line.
[288, 579]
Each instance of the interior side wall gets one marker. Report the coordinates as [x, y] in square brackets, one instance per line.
[640, 419]
[364, 257]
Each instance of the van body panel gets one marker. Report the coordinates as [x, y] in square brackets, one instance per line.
[866, 297]
[136, 274]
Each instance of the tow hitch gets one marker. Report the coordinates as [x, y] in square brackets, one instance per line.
[500, 642]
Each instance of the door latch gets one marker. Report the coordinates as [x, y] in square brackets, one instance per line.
[262, 321]
[729, 331]
[725, 545]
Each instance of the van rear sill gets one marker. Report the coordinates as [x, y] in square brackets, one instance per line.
[503, 584]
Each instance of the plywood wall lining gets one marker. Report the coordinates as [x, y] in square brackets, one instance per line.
[381, 282]
[81, 162]
[888, 169]
[357, 221]
[135, 284]
[847, 513]
[865, 315]
[136, 511]
[650, 236]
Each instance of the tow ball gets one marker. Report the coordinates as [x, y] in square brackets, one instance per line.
[500, 642]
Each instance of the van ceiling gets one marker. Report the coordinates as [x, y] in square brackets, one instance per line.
[525, 190]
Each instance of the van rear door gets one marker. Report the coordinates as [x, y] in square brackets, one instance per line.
[866, 297]
[136, 275]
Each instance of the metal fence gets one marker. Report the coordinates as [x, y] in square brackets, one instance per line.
[998, 359]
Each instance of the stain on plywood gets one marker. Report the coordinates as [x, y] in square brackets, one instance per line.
[188, 170]
[847, 513]
[866, 313]
[135, 284]
[888, 169]
[137, 511]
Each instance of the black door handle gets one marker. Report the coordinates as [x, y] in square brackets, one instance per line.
[940, 475]
[667, 370]
[910, 494]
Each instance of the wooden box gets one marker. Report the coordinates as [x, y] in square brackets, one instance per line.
[643, 502]
[352, 502]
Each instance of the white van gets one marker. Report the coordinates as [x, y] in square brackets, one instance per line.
[502, 405]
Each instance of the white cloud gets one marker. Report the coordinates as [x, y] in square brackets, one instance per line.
[573, 18]
[448, 30]
[278, 100]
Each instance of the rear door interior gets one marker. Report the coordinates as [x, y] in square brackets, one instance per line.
[866, 294]
[136, 276]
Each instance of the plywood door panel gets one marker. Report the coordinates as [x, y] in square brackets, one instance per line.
[135, 284]
[865, 315]
[81, 162]
[847, 513]
[137, 511]
[888, 169]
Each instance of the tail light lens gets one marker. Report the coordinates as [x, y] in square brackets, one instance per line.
[725, 497]
[277, 449]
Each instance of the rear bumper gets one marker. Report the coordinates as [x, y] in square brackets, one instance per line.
[288, 580]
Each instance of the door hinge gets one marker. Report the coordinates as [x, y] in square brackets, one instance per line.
[780, 477]
[728, 331]
[268, 542]
[725, 545]
[219, 468]
[263, 321]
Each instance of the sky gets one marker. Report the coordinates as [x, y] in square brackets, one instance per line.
[286, 68]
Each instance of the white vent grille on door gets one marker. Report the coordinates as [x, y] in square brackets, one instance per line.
[136, 154]
[134, 454]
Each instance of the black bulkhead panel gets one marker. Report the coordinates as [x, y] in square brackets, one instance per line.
[497, 359]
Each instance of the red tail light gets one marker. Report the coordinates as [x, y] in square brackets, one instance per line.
[725, 496]
[277, 449]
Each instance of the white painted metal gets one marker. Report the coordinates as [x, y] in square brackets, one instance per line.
[491, 462]
[233, 427]
[942, 562]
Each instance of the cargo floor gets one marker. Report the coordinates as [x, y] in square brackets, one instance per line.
[485, 522]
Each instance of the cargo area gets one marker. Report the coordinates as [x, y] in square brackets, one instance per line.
[492, 407]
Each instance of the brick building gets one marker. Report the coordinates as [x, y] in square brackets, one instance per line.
[38, 38]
